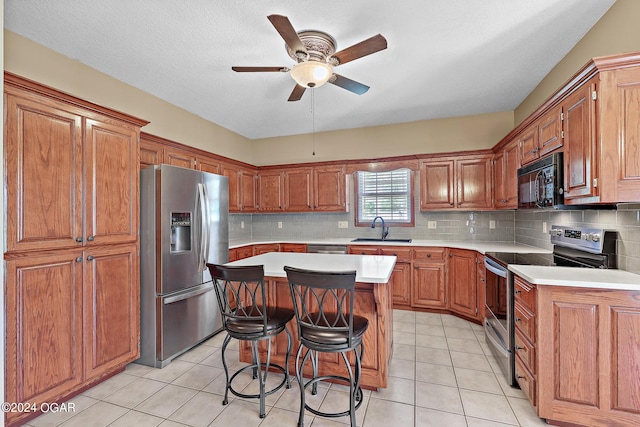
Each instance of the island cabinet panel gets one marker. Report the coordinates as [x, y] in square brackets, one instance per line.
[588, 356]
[372, 301]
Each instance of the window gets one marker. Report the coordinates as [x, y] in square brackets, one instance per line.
[386, 194]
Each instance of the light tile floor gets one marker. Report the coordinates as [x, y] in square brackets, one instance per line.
[441, 375]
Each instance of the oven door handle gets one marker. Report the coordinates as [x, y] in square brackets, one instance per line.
[494, 269]
[492, 335]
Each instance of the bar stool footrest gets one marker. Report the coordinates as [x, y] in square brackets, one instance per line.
[312, 381]
[256, 396]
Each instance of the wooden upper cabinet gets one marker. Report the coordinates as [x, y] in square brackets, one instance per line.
[66, 188]
[474, 183]
[505, 176]
[270, 191]
[298, 189]
[150, 153]
[580, 169]
[43, 177]
[248, 190]
[456, 183]
[329, 189]
[182, 158]
[207, 164]
[111, 183]
[528, 142]
[437, 190]
[550, 132]
[232, 172]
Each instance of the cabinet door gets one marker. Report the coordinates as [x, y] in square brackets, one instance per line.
[43, 175]
[550, 132]
[233, 174]
[111, 183]
[206, 164]
[111, 308]
[511, 164]
[150, 154]
[461, 278]
[400, 283]
[474, 183]
[270, 189]
[437, 185]
[180, 158]
[579, 140]
[499, 187]
[297, 190]
[44, 327]
[329, 189]
[428, 285]
[528, 143]
[248, 200]
[481, 277]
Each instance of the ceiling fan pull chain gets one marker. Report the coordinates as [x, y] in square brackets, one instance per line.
[313, 122]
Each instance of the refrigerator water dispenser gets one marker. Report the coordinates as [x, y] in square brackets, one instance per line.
[180, 231]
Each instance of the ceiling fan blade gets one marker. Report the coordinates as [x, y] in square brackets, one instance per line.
[287, 32]
[364, 48]
[348, 84]
[297, 93]
[259, 69]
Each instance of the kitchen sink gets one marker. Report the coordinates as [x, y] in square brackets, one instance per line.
[366, 239]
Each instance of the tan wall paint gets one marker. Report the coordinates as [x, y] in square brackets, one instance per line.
[616, 32]
[36, 62]
[426, 136]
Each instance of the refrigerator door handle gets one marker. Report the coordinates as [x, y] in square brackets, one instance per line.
[201, 261]
[206, 229]
[176, 298]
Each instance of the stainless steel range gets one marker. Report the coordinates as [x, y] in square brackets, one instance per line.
[573, 247]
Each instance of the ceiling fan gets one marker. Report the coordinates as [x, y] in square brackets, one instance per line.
[315, 55]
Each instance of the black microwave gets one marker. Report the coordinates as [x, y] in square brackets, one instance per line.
[540, 184]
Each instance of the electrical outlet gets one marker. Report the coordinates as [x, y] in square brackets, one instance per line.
[432, 224]
[343, 224]
[241, 224]
[544, 227]
[492, 224]
[279, 224]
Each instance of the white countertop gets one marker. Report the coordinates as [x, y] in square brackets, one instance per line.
[579, 277]
[481, 247]
[369, 268]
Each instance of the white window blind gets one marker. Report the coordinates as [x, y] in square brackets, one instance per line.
[385, 194]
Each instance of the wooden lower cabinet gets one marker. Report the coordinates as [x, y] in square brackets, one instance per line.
[461, 281]
[57, 344]
[577, 356]
[428, 284]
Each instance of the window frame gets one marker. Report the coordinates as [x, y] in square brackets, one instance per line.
[410, 208]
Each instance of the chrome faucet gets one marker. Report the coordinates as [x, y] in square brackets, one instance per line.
[385, 230]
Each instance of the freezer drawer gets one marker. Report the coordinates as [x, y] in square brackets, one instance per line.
[186, 318]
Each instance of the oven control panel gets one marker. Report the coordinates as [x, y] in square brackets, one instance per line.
[586, 239]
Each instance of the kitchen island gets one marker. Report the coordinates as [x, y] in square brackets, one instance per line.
[373, 301]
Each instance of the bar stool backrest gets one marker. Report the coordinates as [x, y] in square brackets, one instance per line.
[241, 293]
[323, 303]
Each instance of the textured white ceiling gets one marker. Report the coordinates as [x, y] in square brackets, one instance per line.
[444, 58]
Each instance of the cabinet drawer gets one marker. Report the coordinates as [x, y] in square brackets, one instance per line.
[524, 293]
[403, 254]
[293, 247]
[429, 254]
[363, 250]
[244, 252]
[525, 351]
[525, 321]
[526, 381]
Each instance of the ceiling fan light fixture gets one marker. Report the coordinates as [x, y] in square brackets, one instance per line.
[311, 73]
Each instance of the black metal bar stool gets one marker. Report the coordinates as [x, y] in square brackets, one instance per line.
[245, 316]
[323, 304]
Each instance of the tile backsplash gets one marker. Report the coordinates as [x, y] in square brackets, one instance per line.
[524, 226]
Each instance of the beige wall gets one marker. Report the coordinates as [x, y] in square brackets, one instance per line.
[426, 136]
[36, 62]
[618, 31]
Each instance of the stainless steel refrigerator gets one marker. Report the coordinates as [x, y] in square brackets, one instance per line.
[183, 225]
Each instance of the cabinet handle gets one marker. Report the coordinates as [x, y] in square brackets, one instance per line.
[90, 258]
[450, 255]
[519, 348]
[520, 377]
[79, 259]
[428, 255]
[79, 239]
[517, 292]
[90, 238]
[517, 319]
[451, 203]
